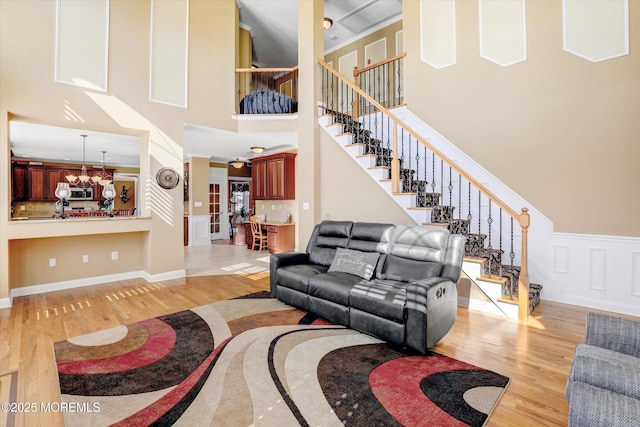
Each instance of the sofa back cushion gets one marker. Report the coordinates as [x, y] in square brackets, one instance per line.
[371, 237]
[416, 252]
[326, 237]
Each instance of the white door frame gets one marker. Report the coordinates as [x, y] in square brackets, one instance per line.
[220, 176]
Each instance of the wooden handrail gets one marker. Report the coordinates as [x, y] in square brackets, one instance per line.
[523, 218]
[423, 141]
[266, 70]
[357, 71]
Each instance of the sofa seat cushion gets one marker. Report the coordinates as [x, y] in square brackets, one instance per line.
[334, 287]
[297, 276]
[384, 298]
[607, 369]
[598, 407]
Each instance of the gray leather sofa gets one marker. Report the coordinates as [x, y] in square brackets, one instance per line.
[603, 388]
[397, 283]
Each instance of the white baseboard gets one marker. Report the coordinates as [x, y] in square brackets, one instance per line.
[169, 275]
[88, 281]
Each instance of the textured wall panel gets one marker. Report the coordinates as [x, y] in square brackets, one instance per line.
[503, 31]
[596, 30]
[169, 51]
[82, 43]
[438, 32]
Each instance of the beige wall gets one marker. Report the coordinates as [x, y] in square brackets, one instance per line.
[348, 193]
[199, 185]
[27, 55]
[30, 257]
[562, 132]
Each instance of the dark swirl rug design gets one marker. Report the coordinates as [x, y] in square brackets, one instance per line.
[256, 361]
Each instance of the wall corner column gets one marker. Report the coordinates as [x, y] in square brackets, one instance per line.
[310, 48]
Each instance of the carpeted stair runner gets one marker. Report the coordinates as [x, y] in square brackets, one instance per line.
[441, 214]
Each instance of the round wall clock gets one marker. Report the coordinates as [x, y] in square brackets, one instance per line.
[167, 178]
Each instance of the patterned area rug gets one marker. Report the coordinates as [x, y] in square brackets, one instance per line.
[256, 361]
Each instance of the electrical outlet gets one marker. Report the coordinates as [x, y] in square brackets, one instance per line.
[114, 255]
[85, 258]
[198, 204]
[52, 262]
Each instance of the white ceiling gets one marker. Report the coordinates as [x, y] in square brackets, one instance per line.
[273, 25]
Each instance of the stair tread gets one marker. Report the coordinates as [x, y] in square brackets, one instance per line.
[508, 300]
[493, 279]
[366, 155]
[354, 144]
[476, 259]
[436, 224]
[420, 208]
[378, 167]
[402, 193]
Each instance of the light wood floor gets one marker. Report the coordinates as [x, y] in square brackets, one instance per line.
[536, 356]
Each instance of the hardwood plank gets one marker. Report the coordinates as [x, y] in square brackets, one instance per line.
[536, 356]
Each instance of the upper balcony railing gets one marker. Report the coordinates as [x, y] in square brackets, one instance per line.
[382, 81]
[266, 90]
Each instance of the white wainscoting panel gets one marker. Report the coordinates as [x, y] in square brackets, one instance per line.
[596, 30]
[503, 31]
[82, 43]
[561, 259]
[635, 274]
[169, 52]
[199, 230]
[598, 269]
[438, 32]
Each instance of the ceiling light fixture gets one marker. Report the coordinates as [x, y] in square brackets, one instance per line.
[257, 150]
[327, 23]
[237, 163]
[83, 180]
[102, 177]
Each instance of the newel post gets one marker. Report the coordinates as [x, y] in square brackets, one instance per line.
[523, 281]
[356, 81]
[395, 163]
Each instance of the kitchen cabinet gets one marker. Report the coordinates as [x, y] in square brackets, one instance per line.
[274, 177]
[18, 182]
[36, 183]
[51, 179]
[259, 172]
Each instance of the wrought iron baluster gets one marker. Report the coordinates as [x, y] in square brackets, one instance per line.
[500, 247]
[490, 247]
[450, 198]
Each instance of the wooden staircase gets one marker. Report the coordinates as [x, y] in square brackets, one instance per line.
[496, 281]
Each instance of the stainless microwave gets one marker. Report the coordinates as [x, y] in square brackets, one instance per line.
[81, 194]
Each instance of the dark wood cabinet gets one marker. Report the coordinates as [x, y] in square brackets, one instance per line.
[259, 172]
[36, 183]
[18, 182]
[51, 179]
[274, 177]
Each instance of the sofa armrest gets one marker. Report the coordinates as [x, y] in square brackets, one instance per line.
[280, 260]
[431, 311]
[613, 333]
